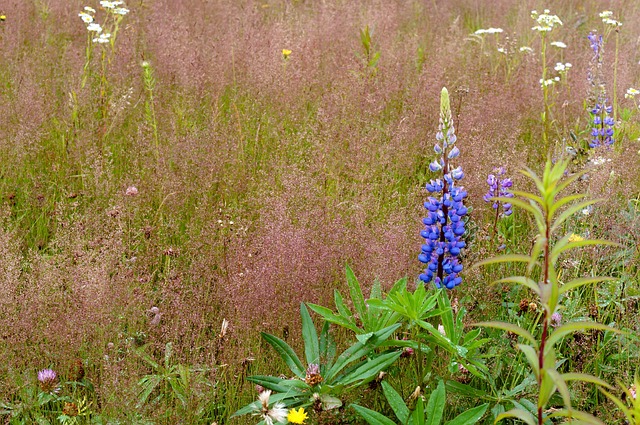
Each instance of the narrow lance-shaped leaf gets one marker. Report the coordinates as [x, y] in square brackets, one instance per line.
[521, 280]
[523, 415]
[309, 336]
[288, 355]
[510, 327]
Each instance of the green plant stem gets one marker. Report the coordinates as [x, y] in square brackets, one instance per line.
[615, 79]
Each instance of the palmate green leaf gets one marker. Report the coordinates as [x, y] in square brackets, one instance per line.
[571, 327]
[370, 368]
[469, 417]
[510, 327]
[506, 258]
[575, 283]
[582, 417]
[309, 336]
[435, 405]
[523, 415]
[396, 402]
[559, 249]
[532, 357]
[571, 211]
[521, 280]
[585, 377]
[371, 416]
[287, 354]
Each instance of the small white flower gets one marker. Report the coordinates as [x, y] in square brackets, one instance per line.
[562, 67]
[606, 14]
[121, 11]
[94, 28]
[612, 22]
[549, 82]
[502, 50]
[104, 38]
[276, 414]
[526, 49]
[489, 31]
[107, 4]
[559, 44]
[546, 22]
[631, 93]
[89, 9]
[86, 17]
[587, 211]
[441, 330]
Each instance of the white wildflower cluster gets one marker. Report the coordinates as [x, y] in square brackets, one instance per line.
[558, 44]
[489, 31]
[88, 17]
[563, 68]
[631, 93]
[526, 49]
[549, 82]
[545, 20]
[608, 20]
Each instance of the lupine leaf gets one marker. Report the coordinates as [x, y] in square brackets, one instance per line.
[288, 355]
[511, 328]
[370, 368]
[356, 294]
[396, 402]
[435, 405]
[309, 336]
[372, 417]
[469, 417]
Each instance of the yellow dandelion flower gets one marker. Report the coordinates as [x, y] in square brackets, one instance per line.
[575, 238]
[3, 18]
[297, 416]
[286, 53]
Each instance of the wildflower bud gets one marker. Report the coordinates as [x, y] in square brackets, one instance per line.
[48, 380]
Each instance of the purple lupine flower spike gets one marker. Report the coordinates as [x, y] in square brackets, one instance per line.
[444, 223]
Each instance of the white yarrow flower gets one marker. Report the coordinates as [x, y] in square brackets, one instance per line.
[562, 67]
[558, 44]
[606, 14]
[104, 38]
[546, 22]
[121, 11]
[526, 49]
[93, 27]
[86, 17]
[631, 93]
[89, 9]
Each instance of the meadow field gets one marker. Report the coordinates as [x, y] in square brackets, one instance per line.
[240, 212]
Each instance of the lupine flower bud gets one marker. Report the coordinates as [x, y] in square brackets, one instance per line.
[499, 188]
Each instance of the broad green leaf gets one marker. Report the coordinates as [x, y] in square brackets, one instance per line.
[371, 368]
[358, 350]
[555, 253]
[418, 412]
[521, 280]
[506, 258]
[356, 294]
[531, 356]
[563, 201]
[342, 309]
[372, 417]
[570, 327]
[585, 377]
[310, 337]
[330, 402]
[435, 405]
[468, 391]
[396, 402]
[523, 415]
[571, 211]
[287, 354]
[546, 389]
[575, 283]
[561, 385]
[469, 417]
[584, 417]
[510, 327]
